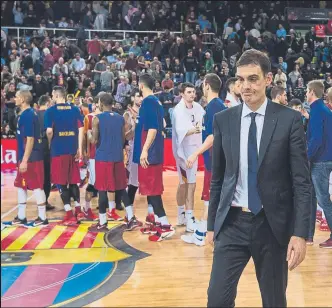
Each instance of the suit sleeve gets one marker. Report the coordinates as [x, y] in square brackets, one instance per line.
[299, 166]
[218, 171]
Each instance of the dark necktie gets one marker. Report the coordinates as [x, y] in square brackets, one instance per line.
[254, 201]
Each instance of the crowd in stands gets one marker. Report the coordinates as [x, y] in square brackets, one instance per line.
[210, 37]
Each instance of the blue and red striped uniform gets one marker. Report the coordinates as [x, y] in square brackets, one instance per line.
[65, 120]
[110, 169]
[28, 126]
[214, 106]
[151, 116]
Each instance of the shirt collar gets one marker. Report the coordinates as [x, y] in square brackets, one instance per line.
[261, 110]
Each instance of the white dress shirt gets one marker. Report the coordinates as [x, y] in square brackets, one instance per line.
[241, 190]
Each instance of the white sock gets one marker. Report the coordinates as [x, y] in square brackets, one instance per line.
[130, 212]
[21, 210]
[189, 214]
[163, 220]
[102, 219]
[42, 212]
[180, 209]
[111, 205]
[87, 205]
[77, 204]
[150, 209]
[156, 218]
[67, 207]
[202, 226]
[206, 203]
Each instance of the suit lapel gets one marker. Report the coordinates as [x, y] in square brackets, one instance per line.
[235, 130]
[270, 121]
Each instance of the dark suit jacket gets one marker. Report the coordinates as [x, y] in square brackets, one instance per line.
[284, 183]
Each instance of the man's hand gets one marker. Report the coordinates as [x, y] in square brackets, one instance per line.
[305, 113]
[23, 166]
[209, 237]
[78, 155]
[144, 159]
[296, 252]
[191, 160]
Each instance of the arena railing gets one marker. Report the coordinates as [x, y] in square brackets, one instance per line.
[20, 30]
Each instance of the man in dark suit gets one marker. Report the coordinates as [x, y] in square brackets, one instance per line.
[260, 190]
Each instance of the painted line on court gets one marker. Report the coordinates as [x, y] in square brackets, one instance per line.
[13, 209]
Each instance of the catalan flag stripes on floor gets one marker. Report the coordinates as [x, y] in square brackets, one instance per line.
[51, 237]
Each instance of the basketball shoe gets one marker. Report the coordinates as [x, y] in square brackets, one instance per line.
[133, 224]
[162, 233]
[89, 215]
[99, 228]
[197, 238]
[181, 219]
[69, 219]
[191, 225]
[113, 216]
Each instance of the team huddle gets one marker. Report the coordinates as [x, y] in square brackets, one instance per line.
[102, 136]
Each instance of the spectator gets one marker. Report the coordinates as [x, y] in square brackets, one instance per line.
[7, 133]
[279, 95]
[209, 63]
[190, 65]
[281, 32]
[94, 48]
[233, 92]
[281, 76]
[48, 60]
[167, 82]
[136, 50]
[78, 64]
[123, 90]
[294, 75]
[131, 62]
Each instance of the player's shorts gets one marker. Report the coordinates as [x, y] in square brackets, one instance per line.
[110, 176]
[92, 171]
[186, 176]
[65, 170]
[33, 178]
[150, 180]
[206, 185]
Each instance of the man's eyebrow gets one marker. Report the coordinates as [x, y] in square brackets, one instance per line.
[250, 76]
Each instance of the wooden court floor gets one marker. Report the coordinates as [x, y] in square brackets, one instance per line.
[166, 274]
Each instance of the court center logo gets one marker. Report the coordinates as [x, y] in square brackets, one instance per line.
[65, 266]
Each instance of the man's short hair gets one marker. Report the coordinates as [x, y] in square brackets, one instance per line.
[96, 98]
[255, 57]
[186, 85]
[295, 102]
[43, 100]
[107, 99]
[317, 87]
[214, 81]
[60, 90]
[26, 95]
[229, 82]
[277, 90]
[147, 80]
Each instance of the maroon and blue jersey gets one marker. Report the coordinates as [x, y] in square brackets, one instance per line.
[110, 143]
[214, 106]
[28, 126]
[151, 116]
[65, 120]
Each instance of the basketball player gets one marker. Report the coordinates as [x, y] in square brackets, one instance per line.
[108, 133]
[149, 154]
[187, 122]
[64, 130]
[30, 173]
[91, 153]
[130, 117]
[211, 88]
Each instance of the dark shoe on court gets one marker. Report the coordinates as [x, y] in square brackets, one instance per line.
[19, 222]
[98, 228]
[69, 219]
[163, 232]
[133, 224]
[38, 222]
[49, 207]
[327, 244]
[119, 207]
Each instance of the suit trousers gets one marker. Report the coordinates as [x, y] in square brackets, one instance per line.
[242, 236]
